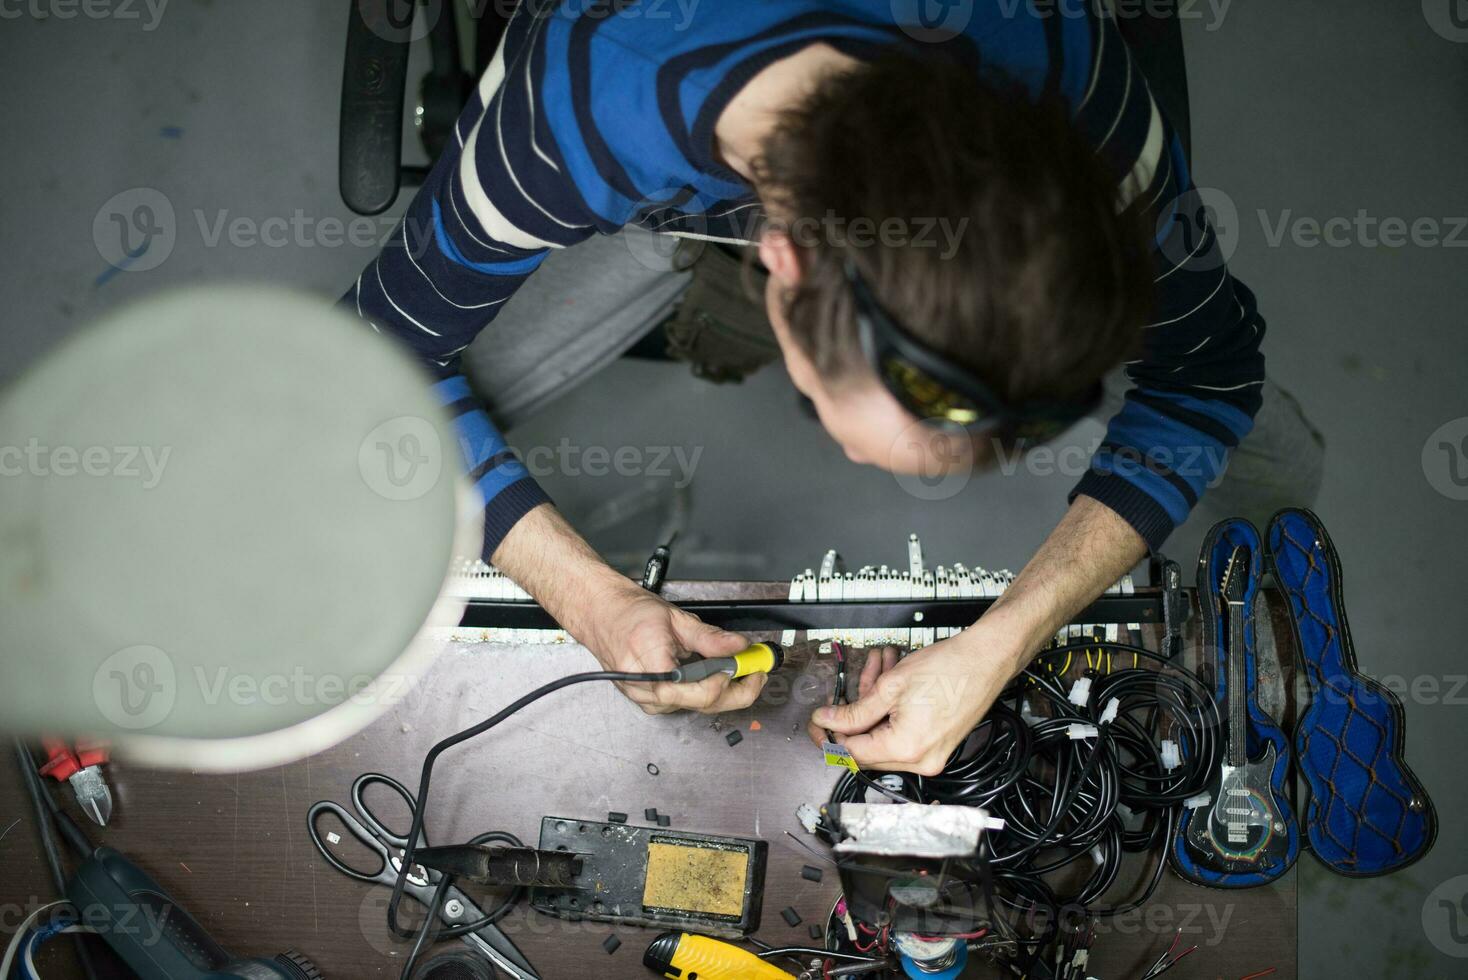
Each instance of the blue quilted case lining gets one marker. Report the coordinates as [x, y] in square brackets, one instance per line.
[1217, 547]
[1367, 812]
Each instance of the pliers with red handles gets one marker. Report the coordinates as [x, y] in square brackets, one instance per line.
[80, 764]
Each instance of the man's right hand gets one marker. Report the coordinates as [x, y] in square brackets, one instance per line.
[634, 630]
[625, 627]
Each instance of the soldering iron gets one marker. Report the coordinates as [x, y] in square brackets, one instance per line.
[761, 658]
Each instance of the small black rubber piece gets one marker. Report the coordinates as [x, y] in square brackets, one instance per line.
[816, 932]
[652, 769]
[734, 738]
[611, 944]
[811, 874]
[650, 814]
[791, 917]
[664, 820]
[616, 817]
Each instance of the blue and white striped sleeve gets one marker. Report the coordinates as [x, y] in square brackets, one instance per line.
[1199, 379]
[496, 201]
[1197, 385]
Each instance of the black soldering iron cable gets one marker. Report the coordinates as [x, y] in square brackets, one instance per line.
[426, 934]
[464, 736]
[42, 806]
[45, 807]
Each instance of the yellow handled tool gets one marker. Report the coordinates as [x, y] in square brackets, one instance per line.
[681, 956]
[762, 658]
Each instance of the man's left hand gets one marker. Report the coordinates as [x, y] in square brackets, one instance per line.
[912, 713]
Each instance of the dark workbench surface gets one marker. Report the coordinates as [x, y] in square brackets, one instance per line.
[234, 850]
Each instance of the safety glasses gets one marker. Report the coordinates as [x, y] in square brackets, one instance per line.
[939, 392]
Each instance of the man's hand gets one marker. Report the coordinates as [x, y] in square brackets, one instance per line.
[625, 627]
[912, 714]
[633, 630]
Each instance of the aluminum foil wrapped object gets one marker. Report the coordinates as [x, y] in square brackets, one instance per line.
[903, 830]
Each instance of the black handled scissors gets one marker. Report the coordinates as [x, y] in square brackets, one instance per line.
[421, 884]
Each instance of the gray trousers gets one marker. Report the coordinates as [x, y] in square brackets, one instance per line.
[588, 304]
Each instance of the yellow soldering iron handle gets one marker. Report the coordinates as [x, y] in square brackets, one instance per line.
[761, 658]
[681, 956]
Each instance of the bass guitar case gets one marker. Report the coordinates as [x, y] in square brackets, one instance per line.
[1218, 546]
[1367, 813]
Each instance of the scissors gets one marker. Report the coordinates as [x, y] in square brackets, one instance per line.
[421, 884]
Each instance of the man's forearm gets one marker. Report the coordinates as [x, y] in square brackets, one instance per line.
[547, 558]
[1087, 552]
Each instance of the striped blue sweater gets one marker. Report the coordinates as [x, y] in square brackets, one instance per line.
[597, 114]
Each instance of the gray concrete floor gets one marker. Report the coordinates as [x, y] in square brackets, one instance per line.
[1308, 110]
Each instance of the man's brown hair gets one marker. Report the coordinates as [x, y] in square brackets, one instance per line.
[1029, 276]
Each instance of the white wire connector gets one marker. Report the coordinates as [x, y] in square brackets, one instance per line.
[809, 817]
[1028, 714]
[1198, 802]
[1077, 732]
[1108, 714]
[1171, 756]
[995, 824]
[1080, 692]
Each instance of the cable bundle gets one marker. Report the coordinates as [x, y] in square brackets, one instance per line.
[1074, 783]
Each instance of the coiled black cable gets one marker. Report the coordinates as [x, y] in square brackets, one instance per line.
[1068, 800]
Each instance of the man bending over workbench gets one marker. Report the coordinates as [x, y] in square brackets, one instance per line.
[962, 240]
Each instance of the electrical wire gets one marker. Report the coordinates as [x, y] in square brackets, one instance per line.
[1068, 796]
[39, 938]
[21, 932]
[43, 806]
[1169, 958]
[765, 954]
[416, 830]
[427, 932]
[48, 821]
